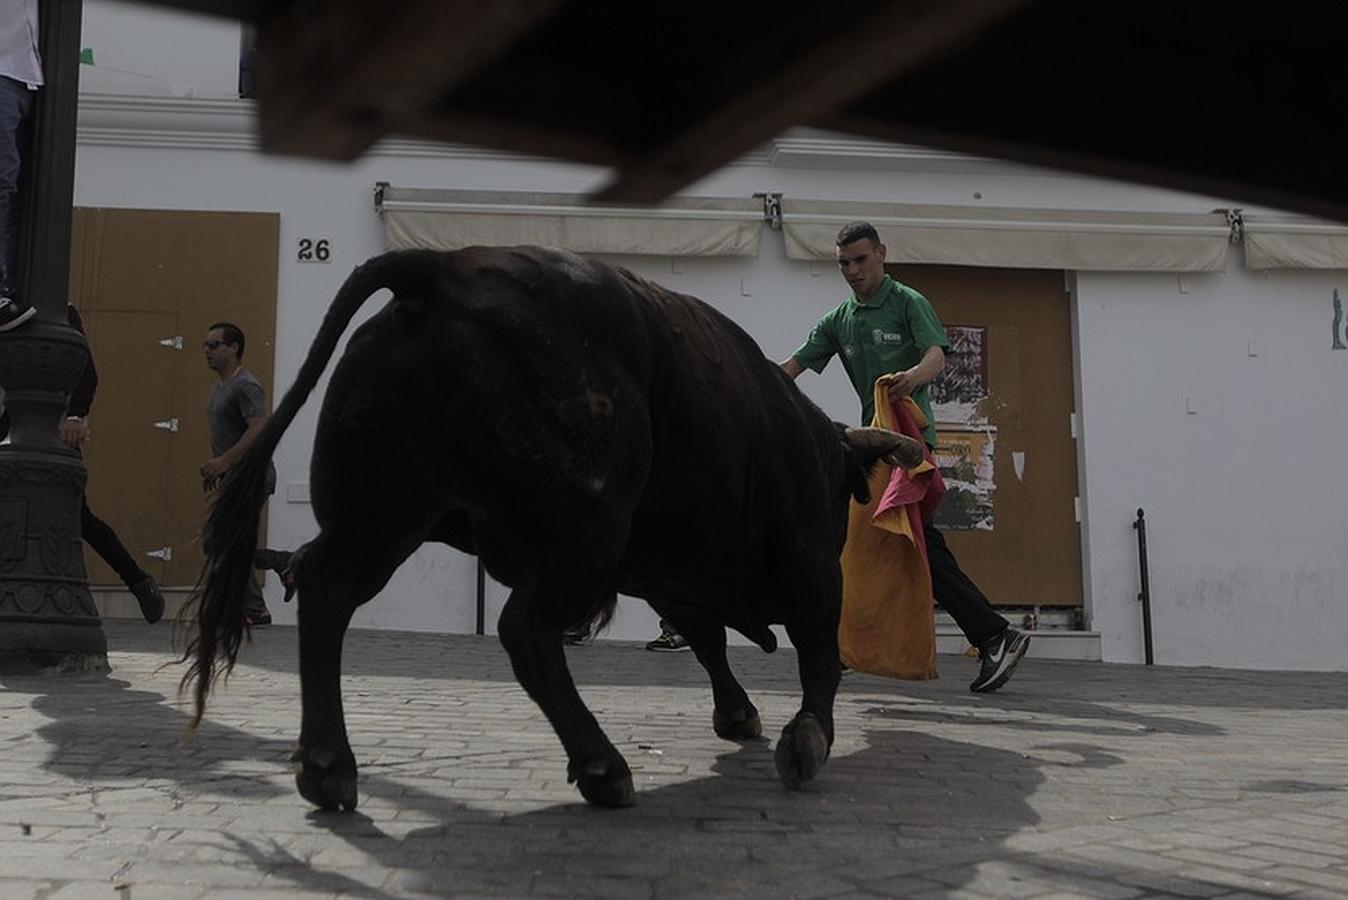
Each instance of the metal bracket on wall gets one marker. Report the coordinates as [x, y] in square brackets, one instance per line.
[379, 187]
[772, 208]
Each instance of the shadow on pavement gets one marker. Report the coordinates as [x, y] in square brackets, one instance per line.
[737, 831]
[101, 728]
[877, 822]
[869, 819]
[910, 811]
[1042, 714]
[102, 731]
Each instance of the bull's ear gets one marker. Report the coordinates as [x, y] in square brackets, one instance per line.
[870, 444]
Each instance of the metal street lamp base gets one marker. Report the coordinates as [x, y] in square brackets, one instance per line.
[48, 620]
[44, 647]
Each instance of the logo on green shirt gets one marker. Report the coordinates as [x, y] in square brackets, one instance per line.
[888, 338]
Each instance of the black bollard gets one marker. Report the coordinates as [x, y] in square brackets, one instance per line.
[1140, 526]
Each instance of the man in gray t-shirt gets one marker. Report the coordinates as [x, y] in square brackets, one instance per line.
[236, 402]
[237, 410]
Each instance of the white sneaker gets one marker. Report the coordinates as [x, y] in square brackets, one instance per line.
[1000, 654]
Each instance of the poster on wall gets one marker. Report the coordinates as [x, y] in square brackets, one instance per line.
[957, 395]
[964, 456]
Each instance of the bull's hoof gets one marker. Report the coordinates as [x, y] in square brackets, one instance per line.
[801, 751]
[604, 782]
[324, 781]
[740, 724]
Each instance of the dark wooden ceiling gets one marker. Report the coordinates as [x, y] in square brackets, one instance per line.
[1243, 100]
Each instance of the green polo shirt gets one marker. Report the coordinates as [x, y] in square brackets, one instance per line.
[889, 333]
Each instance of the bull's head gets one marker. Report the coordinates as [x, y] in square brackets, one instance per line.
[866, 446]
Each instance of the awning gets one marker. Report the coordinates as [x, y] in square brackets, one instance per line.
[1294, 242]
[683, 226]
[1020, 238]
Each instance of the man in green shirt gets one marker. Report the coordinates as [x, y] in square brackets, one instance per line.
[887, 328]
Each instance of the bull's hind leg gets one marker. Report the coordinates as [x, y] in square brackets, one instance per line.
[530, 627]
[807, 738]
[333, 579]
[733, 717]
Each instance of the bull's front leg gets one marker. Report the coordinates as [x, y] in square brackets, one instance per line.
[807, 739]
[531, 631]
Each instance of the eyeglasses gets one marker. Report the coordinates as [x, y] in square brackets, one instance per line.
[210, 345]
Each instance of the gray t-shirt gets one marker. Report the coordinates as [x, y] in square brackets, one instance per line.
[233, 402]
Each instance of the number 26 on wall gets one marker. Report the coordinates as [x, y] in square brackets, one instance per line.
[313, 250]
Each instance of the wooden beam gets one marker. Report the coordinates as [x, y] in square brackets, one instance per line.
[1253, 113]
[332, 76]
[872, 44]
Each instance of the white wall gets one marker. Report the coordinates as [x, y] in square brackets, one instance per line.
[144, 50]
[1209, 402]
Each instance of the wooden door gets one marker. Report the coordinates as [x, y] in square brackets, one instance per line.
[127, 456]
[149, 284]
[1017, 536]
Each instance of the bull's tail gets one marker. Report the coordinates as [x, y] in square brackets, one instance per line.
[230, 534]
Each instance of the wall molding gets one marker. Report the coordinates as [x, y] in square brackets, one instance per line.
[226, 123]
[216, 123]
[810, 149]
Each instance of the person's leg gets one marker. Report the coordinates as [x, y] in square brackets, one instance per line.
[104, 541]
[278, 561]
[15, 103]
[1000, 647]
[255, 610]
[100, 536]
[956, 593]
[255, 606]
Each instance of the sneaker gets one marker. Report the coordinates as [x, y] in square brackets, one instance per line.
[11, 316]
[277, 561]
[150, 598]
[1000, 654]
[669, 641]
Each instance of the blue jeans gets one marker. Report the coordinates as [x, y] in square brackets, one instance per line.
[16, 102]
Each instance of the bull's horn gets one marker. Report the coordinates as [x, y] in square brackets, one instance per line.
[896, 449]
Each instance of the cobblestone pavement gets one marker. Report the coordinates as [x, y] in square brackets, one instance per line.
[1077, 779]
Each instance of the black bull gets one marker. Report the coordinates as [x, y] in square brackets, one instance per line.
[582, 431]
